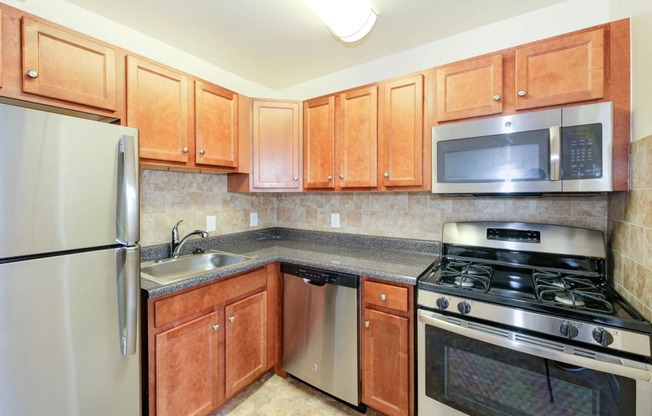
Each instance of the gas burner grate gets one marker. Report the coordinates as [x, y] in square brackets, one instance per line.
[570, 291]
[466, 275]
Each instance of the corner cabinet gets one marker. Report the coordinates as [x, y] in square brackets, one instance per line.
[157, 104]
[470, 88]
[561, 70]
[206, 344]
[388, 347]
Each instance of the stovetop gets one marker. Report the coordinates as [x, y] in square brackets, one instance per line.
[547, 279]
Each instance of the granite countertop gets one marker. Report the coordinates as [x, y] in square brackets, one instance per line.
[392, 259]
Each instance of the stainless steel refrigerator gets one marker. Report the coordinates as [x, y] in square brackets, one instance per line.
[69, 266]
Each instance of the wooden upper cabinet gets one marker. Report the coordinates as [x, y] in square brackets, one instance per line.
[187, 368]
[246, 342]
[561, 70]
[319, 143]
[1, 48]
[276, 145]
[58, 64]
[216, 125]
[470, 88]
[157, 104]
[357, 141]
[401, 132]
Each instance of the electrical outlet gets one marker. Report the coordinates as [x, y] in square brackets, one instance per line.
[211, 223]
[253, 219]
[335, 220]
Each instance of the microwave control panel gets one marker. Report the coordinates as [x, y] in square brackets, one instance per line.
[582, 151]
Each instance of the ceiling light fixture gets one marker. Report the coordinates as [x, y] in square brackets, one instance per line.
[349, 20]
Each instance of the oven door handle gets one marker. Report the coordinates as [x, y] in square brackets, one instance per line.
[536, 346]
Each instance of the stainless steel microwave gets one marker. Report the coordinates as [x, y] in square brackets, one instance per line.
[549, 151]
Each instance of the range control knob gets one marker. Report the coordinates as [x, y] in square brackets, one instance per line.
[602, 337]
[442, 303]
[568, 330]
[464, 307]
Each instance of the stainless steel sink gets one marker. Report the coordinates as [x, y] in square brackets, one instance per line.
[173, 270]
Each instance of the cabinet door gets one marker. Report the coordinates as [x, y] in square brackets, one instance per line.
[246, 342]
[157, 104]
[319, 143]
[358, 138]
[187, 368]
[276, 144]
[1, 48]
[470, 88]
[562, 70]
[385, 357]
[216, 125]
[401, 136]
[60, 65]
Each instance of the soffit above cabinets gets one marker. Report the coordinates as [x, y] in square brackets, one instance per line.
[280, 43]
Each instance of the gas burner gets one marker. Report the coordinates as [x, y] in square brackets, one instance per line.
[466, 275]
[570, 291]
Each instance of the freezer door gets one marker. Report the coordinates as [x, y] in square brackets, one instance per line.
[68, 183]
[61, 336]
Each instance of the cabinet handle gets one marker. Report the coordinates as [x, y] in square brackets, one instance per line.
[185, 150]
[497, 97]
[202, 152]
[383, 297]
[366, 324]
[232, 319]
[216, 327]
[296, 179]
[32, 74]
[386, 175]
[521, 93]
[330, 178]
[341, 176]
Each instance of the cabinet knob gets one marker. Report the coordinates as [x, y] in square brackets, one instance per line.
[185, 150]
[232, 319]
[366, 324]
[216, 327]
[386, 175]
[497, 97]
[383, 297]
[521, 93]
[202, 152]
[330, 178]
[32, 74]
[296, 179]
[341, 176]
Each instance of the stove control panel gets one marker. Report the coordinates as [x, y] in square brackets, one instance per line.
[511, 234]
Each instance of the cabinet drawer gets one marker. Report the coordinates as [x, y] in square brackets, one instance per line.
[388, 296]
[176, 307]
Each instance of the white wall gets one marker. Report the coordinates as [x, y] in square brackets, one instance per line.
[554, 20]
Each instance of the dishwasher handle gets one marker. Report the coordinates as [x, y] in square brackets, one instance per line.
[320, 277]
[314, 281]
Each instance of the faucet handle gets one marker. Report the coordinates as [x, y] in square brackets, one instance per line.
[175, 232]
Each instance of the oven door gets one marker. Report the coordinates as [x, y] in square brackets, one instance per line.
[469, 368]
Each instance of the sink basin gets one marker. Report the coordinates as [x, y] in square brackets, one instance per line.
[173, 270]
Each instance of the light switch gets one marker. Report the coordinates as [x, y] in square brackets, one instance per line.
[210, 223]
[253, 219]
[335, 220]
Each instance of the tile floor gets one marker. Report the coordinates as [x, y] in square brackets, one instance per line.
[272, 395]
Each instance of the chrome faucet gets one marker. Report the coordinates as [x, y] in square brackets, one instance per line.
[176, 245]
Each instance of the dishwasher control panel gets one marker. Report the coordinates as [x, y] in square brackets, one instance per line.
[320, 277]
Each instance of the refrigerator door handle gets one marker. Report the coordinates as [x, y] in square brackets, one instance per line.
[128, 275]
[128, 220]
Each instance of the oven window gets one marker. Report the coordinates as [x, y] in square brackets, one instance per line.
[483, 379]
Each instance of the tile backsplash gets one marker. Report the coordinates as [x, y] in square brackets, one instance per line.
[630, 230]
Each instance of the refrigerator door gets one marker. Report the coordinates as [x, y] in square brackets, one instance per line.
[68, 183]
[61, 336]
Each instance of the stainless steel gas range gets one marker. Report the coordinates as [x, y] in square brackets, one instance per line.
[519, 319]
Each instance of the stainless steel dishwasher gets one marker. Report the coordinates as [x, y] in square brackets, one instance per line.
[320, 330]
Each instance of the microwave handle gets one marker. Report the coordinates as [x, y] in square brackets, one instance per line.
[555, 153]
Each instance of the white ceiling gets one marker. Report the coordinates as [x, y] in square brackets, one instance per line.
[279, 43]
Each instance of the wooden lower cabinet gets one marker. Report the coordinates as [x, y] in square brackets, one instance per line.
[388, 348]
[208, 343]
[187, 368]
[246, 342]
